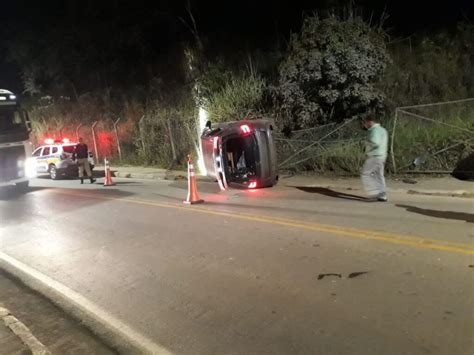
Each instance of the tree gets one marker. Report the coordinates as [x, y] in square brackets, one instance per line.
[431, 68]
[331, 70]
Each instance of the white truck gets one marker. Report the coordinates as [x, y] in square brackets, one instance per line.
[15, 146]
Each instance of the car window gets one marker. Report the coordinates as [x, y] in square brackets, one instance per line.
[45, 151]
[68, 148]
[55, 150]
[37, 152]
[10, 120]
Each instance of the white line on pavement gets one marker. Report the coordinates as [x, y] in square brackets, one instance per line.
[90, 314]
[23, 332]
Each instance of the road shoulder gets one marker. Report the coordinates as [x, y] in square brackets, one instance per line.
[32, 324]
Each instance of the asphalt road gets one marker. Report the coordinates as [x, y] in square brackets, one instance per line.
[287, 270]
[52, 328]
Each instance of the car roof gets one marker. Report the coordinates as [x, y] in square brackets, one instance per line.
[57, 145]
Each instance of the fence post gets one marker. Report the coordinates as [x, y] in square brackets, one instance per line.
[93, 138]
[117, 138]
[142, 136]
[392, 140]
[77, 131]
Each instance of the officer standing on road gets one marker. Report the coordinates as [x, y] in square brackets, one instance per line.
[373, 170]
[81, 153]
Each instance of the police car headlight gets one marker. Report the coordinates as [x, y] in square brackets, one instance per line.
[30, 167]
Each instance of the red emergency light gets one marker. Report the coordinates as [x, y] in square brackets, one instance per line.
[245, 129]
[53, 141]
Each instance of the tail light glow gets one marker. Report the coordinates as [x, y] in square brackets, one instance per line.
[245, 129]
[252, 185]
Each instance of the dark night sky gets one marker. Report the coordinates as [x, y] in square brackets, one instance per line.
[247, 16]
[234, 23]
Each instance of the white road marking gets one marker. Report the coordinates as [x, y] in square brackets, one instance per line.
[108, 322]
[23, 332]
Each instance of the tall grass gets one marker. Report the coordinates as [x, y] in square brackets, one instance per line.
[439, 146]
[237, 99]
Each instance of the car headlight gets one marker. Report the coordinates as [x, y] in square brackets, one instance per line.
[30, 167]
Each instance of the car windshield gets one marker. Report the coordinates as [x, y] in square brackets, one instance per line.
[11, 120]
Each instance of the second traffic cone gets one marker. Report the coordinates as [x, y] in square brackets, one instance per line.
[193, 196]
[108, 174]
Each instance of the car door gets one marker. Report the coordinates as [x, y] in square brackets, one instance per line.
[39, 164]
[43, 160]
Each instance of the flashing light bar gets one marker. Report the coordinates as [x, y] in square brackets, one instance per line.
[52, 141]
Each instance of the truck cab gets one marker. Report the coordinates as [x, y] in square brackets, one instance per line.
[240, 154]
[15, 147]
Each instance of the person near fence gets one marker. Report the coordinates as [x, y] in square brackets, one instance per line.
[376, 150]
[81, 154]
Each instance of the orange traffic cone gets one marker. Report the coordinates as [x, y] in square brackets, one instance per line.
[193, 196]
[108, 174]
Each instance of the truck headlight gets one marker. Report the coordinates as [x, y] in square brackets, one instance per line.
[30, 168]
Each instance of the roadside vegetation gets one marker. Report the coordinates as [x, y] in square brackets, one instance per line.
[336, 69]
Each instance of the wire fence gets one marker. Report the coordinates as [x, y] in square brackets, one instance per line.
[151, 140]
[432, 137]
[332, 147]
[423, 138]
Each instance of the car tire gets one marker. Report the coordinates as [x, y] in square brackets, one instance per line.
[53, 172]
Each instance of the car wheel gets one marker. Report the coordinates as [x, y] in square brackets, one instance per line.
[53, 173]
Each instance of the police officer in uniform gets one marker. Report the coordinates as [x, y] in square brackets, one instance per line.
[81, 153]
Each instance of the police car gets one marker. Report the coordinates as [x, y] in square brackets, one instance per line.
[55, 158]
